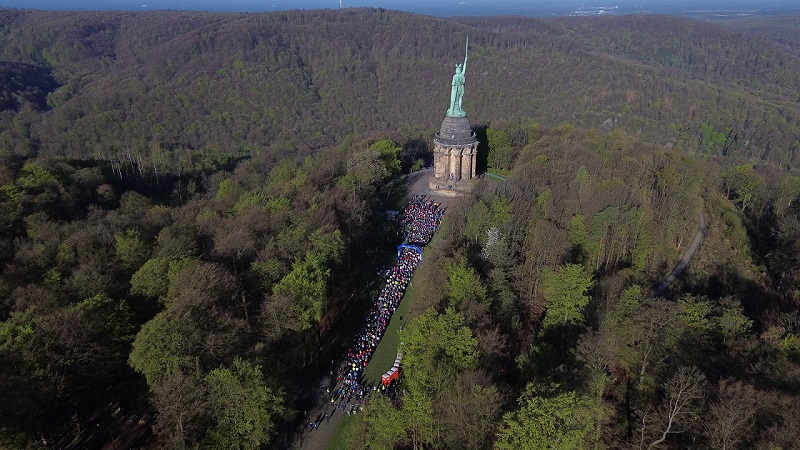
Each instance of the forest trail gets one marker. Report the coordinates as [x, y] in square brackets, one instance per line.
[685, 259]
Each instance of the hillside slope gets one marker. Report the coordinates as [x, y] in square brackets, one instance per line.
[233, 83]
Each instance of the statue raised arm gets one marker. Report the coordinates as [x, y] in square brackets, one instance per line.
[466, 52]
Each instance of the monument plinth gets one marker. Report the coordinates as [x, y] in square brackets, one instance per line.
[455, 146]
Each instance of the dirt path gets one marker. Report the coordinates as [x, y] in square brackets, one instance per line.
[684, 261]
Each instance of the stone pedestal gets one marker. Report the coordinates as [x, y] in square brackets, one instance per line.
[454, 156]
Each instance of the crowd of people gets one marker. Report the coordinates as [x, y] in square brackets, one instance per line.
[420, 220]
[347, 392]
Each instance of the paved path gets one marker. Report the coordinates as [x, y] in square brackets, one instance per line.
[684, 261]
[319, 438]
[417, 184]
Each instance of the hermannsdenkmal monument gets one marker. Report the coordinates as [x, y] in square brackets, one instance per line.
[455, 146]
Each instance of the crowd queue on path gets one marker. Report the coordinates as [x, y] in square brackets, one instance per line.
[347, 389]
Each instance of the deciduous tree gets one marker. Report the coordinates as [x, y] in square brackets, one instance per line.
[566, 292]
[242, 407]
[464, 285]
[679, 410]
[560, 421]
[730, 418]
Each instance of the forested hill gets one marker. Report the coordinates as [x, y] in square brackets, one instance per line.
[782, 30]
[167, 86]
[214, 235]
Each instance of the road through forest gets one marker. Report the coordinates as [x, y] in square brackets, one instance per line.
[416, 184]
[685, 259]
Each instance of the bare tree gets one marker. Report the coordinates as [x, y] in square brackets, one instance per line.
[654, 321]
[468, 411]
[595, 349]
[730, 418]
[180, 399]
[679, 410]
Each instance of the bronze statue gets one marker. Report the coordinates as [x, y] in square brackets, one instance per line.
[457, 88]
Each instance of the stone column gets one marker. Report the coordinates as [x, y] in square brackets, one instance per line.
[439, 162]
[451, 164]
[466, 163]
[458, 163]
[474, 159]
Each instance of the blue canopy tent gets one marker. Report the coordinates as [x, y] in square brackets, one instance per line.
[411, 247]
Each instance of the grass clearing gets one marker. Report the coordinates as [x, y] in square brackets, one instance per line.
[343, 434]
[384, 356]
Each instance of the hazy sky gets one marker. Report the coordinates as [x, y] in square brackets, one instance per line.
[436, 7]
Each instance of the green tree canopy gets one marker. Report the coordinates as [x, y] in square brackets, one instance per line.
[384, 424]
[306, 287]
[566, 292]
[695, 313]
[114, 316]
[388, 151]
[242, 406]
[500, 151]
[464, 284]
[436, 347]
[154, 276]
[501, 210]
[131, 249]
[562, 421]
[584, 248]
[743, 184]
[732, 321]
[164, 345]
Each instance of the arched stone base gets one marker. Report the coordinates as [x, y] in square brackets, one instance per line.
[455, 151]
[457, 189]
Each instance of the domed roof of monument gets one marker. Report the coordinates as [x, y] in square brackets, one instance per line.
[455, 131]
